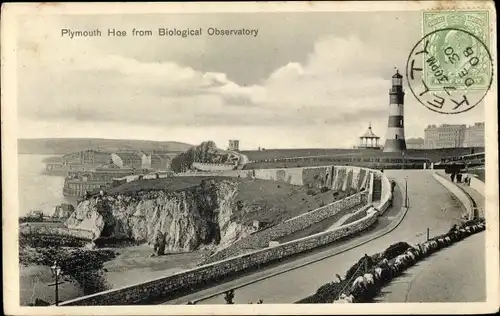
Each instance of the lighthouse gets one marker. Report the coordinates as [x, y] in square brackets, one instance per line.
[395, 136]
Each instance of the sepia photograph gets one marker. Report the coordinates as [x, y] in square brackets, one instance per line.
[291, 156]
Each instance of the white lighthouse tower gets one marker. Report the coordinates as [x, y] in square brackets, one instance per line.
[395, 136]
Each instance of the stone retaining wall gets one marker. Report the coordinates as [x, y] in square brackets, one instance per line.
[340, 178]
[213, 166]
[386, 192]
[262, 238]
[357, 215]
[33, 230]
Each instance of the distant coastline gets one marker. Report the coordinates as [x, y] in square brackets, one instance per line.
[62, 146]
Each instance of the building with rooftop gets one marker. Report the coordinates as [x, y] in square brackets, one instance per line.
[444, 136]
[234, 145]
[127, 160]
[474, 135]
[369, 139]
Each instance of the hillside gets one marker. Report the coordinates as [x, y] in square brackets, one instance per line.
[60, 146]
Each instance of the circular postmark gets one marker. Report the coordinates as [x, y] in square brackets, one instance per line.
[449, 70]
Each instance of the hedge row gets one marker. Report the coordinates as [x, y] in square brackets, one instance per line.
[364, 280]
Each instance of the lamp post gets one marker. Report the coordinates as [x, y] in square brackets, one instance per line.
[56, 272]
[406, 192]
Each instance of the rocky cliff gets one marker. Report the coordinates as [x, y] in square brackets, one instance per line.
[198, 216]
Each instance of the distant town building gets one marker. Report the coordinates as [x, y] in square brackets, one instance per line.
[127, 160]
[474, 135]
[160, 161]
[415, 143]
[90, 157]
[369, 139]
[234, 145]
[444, 136]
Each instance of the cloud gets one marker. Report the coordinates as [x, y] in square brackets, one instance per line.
[94, 87]
[342, 85]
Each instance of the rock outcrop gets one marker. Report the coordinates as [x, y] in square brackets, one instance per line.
[199, 216]
[63, 211]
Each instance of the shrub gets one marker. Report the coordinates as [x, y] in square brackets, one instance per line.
[311, 192]
[83, 266]
[330, 291]
[324, 189]
[352, 270]
[395, 250]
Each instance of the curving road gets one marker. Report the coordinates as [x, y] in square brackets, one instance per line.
[454, 274]
[431, 206]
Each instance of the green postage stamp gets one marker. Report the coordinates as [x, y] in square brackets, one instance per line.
[459, 42]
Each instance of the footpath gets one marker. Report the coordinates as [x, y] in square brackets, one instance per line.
[476, 196]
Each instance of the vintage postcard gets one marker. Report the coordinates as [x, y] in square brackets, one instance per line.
[250, 158]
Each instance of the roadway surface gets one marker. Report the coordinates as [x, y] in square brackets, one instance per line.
[454, 274]
[431, 206]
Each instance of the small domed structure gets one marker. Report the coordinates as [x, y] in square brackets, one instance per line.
[369, 139]
[397, 74]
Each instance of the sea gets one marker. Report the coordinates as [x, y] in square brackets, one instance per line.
[38, 191]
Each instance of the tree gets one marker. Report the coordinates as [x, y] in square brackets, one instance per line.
[206, 152]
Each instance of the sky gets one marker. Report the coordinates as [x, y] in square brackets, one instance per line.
[307, 80]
